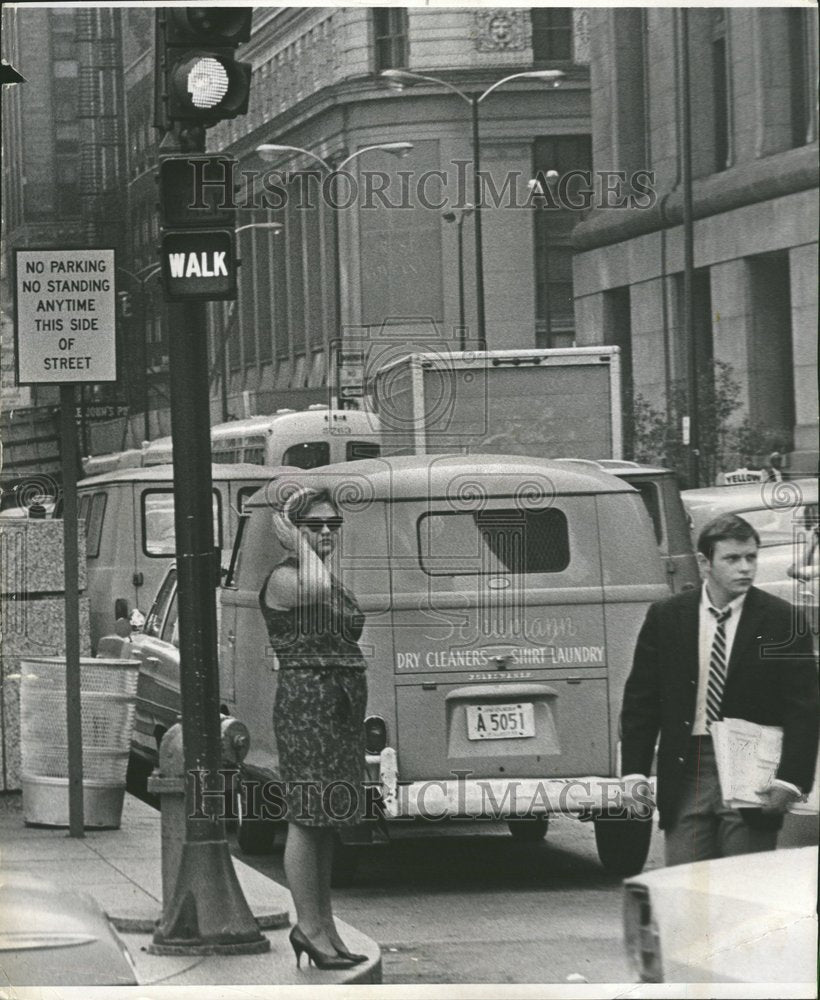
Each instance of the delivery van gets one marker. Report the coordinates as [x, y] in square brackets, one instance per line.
[129, 520]
[502, 599]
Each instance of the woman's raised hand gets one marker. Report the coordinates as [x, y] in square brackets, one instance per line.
[286, 531]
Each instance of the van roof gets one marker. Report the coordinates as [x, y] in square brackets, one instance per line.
[164, 473]
[412, 476]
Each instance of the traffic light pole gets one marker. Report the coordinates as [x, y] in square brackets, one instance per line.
[208, 913]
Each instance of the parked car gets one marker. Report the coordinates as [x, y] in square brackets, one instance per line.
[57, 936]
[502, 598]
[750, 918]
[782, 513]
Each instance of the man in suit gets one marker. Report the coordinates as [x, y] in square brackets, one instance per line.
[729, 650]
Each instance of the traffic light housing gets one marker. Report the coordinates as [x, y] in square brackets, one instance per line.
[196, 190]
[197, 247]
[199, 81]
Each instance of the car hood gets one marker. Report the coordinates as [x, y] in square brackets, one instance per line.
[55, 937]
[750, 918]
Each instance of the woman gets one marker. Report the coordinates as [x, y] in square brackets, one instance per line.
[314, 625]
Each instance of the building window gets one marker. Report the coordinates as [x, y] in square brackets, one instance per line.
[554, 299]
[800, 86]
[551, 34]
[720, 91]
[390, 37]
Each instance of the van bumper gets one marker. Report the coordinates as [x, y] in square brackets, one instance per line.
[492, 798]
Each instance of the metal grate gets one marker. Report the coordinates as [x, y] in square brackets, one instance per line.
[108, 692]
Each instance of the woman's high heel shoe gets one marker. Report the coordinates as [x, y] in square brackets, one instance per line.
[321, 959]
[351, 956]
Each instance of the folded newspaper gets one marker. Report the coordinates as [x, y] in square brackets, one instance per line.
[747, 757]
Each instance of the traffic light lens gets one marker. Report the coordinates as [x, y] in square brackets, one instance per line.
[207, 83]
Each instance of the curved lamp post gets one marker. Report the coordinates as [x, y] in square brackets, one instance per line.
[458, 215]
[401, 78]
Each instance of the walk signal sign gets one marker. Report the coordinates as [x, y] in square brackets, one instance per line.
[200, 264]
[199, 79]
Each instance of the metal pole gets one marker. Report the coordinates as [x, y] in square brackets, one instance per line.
[689, 255]
[146, 392]
[479, 250]
[74, 721]
[208, 913]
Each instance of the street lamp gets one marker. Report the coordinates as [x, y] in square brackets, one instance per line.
[458, 215]
[270, 151]
[401, 78]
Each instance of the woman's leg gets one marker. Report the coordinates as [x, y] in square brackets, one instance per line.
[326, 901]
[304, 870]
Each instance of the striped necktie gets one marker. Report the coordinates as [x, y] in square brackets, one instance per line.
[717, 667]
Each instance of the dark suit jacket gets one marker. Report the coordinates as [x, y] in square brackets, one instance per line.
[771, 679]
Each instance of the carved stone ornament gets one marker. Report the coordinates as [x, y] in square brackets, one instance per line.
[501, 29]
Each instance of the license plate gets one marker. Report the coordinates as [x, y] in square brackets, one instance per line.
[500, 722]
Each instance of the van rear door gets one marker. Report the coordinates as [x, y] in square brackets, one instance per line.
[500, 656]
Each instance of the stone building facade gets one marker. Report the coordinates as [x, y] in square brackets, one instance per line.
[754, 157]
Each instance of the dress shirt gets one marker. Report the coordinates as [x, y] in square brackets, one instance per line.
[707, 626]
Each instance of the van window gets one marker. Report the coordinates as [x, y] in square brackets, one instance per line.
[158, 537]
[506, 540]
[308, 455]
[649, 495]
[93, 525]
[361, 449]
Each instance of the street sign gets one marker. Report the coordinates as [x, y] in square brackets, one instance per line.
[200, 264]
[65, 329]
[101, 411]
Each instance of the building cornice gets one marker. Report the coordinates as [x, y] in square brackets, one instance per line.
[746, 184]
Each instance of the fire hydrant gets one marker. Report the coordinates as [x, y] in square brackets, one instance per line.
[168, 782]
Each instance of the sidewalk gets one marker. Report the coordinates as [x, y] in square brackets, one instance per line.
[121, 869]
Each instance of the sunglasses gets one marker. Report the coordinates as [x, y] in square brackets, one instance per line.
[318, 523]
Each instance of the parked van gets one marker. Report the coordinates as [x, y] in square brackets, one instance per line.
[129, 520]
[502, 598]
[662, 497]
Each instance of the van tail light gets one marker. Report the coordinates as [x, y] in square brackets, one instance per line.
[641, 933]
[375, 734]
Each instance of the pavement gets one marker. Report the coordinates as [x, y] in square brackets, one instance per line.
[121, 869]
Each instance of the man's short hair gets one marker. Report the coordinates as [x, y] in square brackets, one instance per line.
[723, 528]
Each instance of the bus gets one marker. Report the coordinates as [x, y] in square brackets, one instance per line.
[305, 439]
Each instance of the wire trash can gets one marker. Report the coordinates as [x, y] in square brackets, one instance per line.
[108, 689]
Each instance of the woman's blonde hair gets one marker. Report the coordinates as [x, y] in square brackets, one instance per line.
[299, 503]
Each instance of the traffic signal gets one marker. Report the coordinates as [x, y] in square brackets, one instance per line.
[197, 248]
[198, 77]
[196, 191]
[198, 264]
